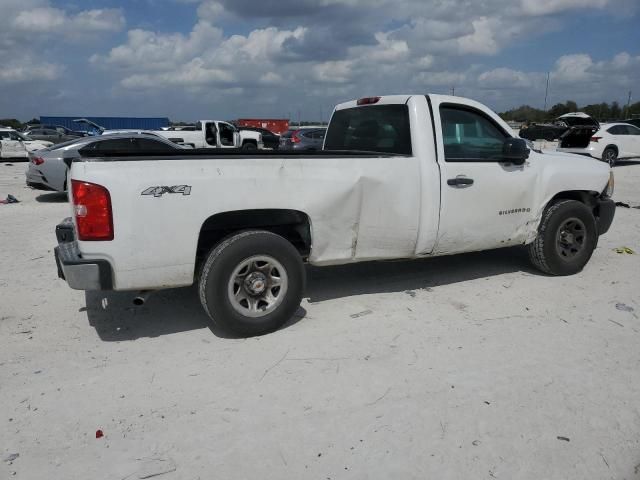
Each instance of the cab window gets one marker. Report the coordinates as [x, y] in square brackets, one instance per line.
[470, 136]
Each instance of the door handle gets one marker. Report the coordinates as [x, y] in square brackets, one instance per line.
[460, 181]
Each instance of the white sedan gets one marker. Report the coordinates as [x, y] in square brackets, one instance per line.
[15, 145]
[612, 142]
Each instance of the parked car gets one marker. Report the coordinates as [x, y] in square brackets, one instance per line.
[633, 121]
[303, 139]
[13, 144]
[612, 142]
[401, 176]
[51, 133]
[553, 131]
[269, 139]
[48, 170]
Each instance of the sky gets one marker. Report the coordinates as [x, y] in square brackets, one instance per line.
[227, 59]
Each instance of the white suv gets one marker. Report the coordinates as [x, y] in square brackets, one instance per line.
[613, 141]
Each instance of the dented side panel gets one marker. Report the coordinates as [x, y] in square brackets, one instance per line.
[360, 208]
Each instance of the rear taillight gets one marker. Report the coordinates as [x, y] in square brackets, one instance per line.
[295, 138]
[37, 160]
[92, 208]
[595, 139]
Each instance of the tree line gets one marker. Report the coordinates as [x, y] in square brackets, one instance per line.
[603, 112]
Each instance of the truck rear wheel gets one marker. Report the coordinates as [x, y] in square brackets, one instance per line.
[252, 282]
[566, 238]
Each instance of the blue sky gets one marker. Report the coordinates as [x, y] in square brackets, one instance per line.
[196, 59]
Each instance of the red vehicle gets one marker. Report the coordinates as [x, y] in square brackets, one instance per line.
[275, 125]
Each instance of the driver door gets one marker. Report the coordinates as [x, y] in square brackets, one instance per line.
[485, 201]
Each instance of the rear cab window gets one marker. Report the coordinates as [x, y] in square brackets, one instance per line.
[373, 128]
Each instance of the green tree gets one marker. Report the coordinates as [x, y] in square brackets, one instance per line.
[615, 112]
[558, 109]
[571, 106]
[11, 122]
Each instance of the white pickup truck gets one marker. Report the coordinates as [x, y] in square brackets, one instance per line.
[214, 134]
[400, 177]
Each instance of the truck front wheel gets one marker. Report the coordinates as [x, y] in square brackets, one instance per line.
[252, 282]
[566, 238]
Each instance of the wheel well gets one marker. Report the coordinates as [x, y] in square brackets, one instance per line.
[587, 197]
[614, 147]
[293, 225]
[249, 140]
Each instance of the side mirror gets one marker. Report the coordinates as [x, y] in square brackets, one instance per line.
[515, 150]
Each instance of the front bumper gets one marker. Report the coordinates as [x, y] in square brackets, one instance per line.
[605, 211]
[79, 273]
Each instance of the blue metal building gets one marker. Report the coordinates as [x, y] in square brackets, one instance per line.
[109, 123]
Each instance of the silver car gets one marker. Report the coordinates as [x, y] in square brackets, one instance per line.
[48, 170]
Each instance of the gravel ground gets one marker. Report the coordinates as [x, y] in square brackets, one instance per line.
[472, 366]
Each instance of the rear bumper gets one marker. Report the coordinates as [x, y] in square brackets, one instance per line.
[79, 273]
[605, 210]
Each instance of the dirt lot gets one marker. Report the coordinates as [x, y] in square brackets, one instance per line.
[463, 367]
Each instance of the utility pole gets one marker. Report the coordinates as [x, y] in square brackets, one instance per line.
[629, 104]
[546, 93]
[453, 91]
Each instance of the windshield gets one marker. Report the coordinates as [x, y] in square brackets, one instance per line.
[377, 128]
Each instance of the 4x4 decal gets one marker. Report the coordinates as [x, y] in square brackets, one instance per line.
[159, 191]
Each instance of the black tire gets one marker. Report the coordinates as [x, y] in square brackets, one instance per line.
[549, 252]
[610, 155]
[249, 146]
[218, 270]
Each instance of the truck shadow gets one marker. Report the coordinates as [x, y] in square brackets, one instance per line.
[400, 276]
[165, 312]
[115, 318]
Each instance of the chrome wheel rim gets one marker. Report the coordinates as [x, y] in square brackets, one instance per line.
[571, 238]
[257, 286]
[610, 157]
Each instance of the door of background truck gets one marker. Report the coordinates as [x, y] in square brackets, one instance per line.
[486, 202]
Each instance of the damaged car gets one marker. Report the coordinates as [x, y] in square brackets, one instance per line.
[553, 131]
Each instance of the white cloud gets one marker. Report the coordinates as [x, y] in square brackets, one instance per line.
[193, 74]
[147, 50]
[333, 72]
[548, 7]
[505, 78]
[28, 71]
[54, 20]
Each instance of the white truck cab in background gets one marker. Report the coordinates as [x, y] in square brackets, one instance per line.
[400, 177]
[14, 144]
[215, 134]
